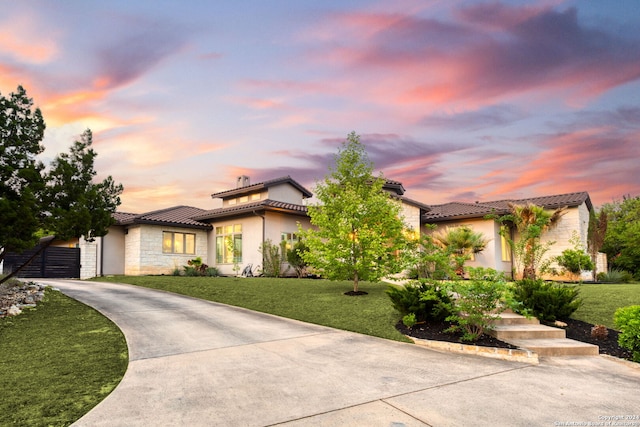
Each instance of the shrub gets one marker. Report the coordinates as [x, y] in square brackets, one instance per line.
[545, 300]
[212, 272]
[599, 332]
[273, 256]
[409, 320]
[295, 258]
[615, 276]
[574, 261]
[627, 320]
[426, 300]
[478, 303]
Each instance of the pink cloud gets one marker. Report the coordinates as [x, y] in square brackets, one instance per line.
[477, 61]
[598, 160]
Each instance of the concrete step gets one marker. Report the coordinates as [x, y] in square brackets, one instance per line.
[556, 347]
[510, 318]
[526, 331]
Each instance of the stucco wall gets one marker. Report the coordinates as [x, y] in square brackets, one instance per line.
[252, 237]
[491, 256]
[285, 193]
[251, 241]
[112, 252]
[143, 250]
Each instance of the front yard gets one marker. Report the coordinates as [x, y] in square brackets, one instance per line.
[62, 358]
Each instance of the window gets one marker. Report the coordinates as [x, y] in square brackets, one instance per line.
[229, 244]
[506, 249]
[255, 196]
[178, 243]
[289, 238]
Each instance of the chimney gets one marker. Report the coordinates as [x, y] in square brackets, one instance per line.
[242, 181]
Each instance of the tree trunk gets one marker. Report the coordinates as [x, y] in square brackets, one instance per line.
[355, 282]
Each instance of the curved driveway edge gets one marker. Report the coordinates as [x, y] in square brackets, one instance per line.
[199, 363]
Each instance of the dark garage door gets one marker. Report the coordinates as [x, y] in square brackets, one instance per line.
[54, 263]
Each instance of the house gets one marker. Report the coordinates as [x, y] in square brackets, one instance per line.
[498, 254]
[229, 237]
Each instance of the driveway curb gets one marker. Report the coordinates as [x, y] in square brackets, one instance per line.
[513, 355]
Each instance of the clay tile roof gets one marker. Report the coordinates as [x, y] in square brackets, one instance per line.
[460, 210]
[395, 186]
[259, 206]
[123, 216]
[261, 185]
[180, 216]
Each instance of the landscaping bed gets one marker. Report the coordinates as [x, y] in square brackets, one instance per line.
[576, 330]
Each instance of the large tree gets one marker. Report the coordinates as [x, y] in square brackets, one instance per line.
[21, 181]
[622, 241]
[64, 202]
[358, 227]
[75, 205]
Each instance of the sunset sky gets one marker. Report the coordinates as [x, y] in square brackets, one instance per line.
[458, 100]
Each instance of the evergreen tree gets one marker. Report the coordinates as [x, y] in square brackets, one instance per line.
[21, 181]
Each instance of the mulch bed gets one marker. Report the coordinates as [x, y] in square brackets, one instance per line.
[576, 330]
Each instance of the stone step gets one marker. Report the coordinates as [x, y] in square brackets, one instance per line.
[526, 331]
[556, 347]
[511, 318]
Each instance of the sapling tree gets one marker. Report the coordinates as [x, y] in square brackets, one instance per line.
[358, 227]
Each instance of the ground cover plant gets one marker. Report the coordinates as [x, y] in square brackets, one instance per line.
[315, 301]
[57, 361]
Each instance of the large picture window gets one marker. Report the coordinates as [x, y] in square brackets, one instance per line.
[229, 244]
[178, 243]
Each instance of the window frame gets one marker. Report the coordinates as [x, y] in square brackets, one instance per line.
[228, 236]
[186, 247]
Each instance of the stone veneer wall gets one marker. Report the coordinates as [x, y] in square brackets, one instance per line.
[575, 220]
[143, 250]
[88, 259]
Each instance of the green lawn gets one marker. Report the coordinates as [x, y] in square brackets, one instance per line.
[602, 300]
[57, 361]
[315, 301]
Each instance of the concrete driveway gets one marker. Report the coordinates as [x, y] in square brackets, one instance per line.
[199, 363]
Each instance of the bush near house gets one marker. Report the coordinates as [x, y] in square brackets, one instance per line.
[546, 300]
[424, 299]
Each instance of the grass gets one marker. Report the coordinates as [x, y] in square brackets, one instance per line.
[600, 301]
[315, 301]
[57, 361]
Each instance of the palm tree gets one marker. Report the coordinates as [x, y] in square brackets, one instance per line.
[530, 222]
[462, 242]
